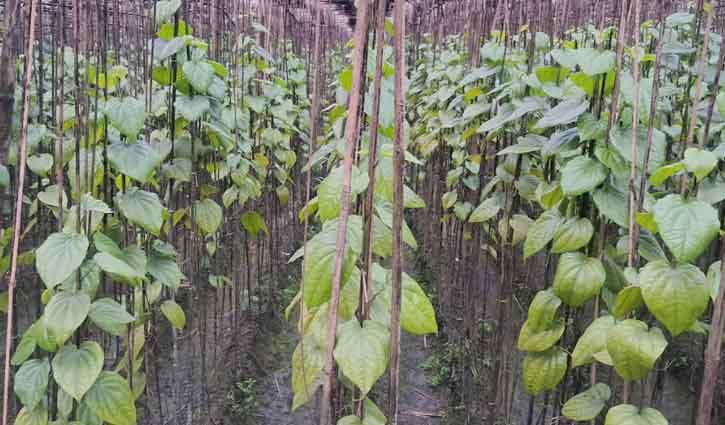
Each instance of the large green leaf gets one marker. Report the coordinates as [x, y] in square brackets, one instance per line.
[192, 108]
[307, 362]
[628, 414]
[127, 115]
[75, 369]
[30, 382]
[581, 175]
[59, 256]
[65, 312]
[542, 328]
[208, 215]
[200, 74]
[136, 159]
[142, 208]
[699, 162]
[592, 341]
[111, 399]
[634, 349]
[687, 226]
[677, 296]
[40, 164]
[417, 315]
[578, 278]
[612, 203]
[574, 234]
[110, 316]
[587, 405]
[361, 352]
[330, 191]
[566, 112]
[542, 232]
[544, 370]
[622, 140]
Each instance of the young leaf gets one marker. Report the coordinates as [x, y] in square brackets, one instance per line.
[574, 234]
[208, 215]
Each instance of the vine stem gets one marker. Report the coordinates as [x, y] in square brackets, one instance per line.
[351, 136]
[398, 153]
[18, 211]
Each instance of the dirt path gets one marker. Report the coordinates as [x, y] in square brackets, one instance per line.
[420, 403]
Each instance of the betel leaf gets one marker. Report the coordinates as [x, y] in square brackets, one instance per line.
[40, 164]
[136, 159]
[575, 233]
[677, 296]
[485, 211]
[127, 265]
[578, 278]
[111, 399]
[699, 162]
[544, 370]
[541, 232]
[199, 73]
[165, 9]
[634, 349]
[142, 208]
[330, 191]
[75, 369]
[581, 175]
[417, 315]
[307, 362]
[127, 115]
[542, 328]
[65, 312]
[165, 270]
[663, 173]
[37, 416]
[628, 414]
[566, 112]
[174, 313]
[612, 203]
[549, 194]
[361, 352]
[192, 107]
[253, 223]
[687, 226]
[587, 405]
[208, 215]
[59, 256]
[622, 141]
[110, 316]
[592, 341]
[627, 300]
[30, 382]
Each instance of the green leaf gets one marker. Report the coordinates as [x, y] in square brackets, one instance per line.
[200, 75]
[253, 223]
[24, 349]
[127, 115]
[192, 107]
[75, 369]
[59, 256]
[111, 400]
[627, 300]
[65, 312]
[142, 208]
[578, 278]
[634, 349]
[306, 371]
[566, 112]
[612, 203]
[30, 382]
[676, 296]
[350, 420]
[713, 279]
[110, 316]
[37, 416]
[485, 211]
[165, 9]
[581, 175]
[542, 329]
[574, 234]
[541, 232]
[417, 315]
[587, 405]
[174, 313]
[699, 162]
[208, 215]
[627, 414]
[544, 370]
[165, 270]
[592, 341]
[137, 160]
[622, 141]
[128, 265]
[687, 226]
[330, 191]
[663, 173]
[40, 164]
[362, 352]
[4, 176]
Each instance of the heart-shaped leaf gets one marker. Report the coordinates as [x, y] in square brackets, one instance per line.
[627, 414]
[676, 296]
[111, 400]
[200, 75]
[587, 405]
[542, 329]
[362, 352]
[687, 226]
[574, 234]
[634, 349]
[208, 215]
[699, 162]
[142, 208]
[30, 382]
[127, 115]
[192, 108]
[541, 232]
[592, 341]
[544, 370]
[65, 312]
[110, 316]
[174, 313]
[75, 369]
[578, 278]
[59, 256]
[581, 175]
[627, 300]
[137, 159]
